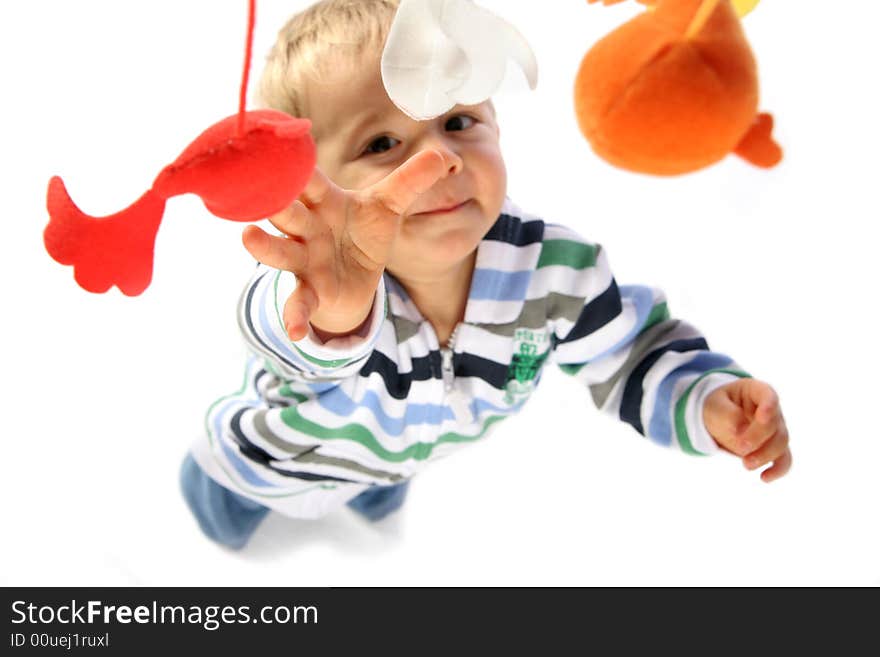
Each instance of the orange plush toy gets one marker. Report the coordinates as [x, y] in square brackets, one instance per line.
[675, 90]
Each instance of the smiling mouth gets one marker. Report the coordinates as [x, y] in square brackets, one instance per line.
[445, 210]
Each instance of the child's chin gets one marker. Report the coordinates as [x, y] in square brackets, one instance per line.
[446, 246]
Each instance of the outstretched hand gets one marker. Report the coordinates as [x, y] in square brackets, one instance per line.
[337, 242]
[744, 417]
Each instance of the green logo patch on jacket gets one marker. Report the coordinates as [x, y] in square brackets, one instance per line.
[530, 350]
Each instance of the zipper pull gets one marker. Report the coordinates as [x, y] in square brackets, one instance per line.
[460, 404]
[448, 372]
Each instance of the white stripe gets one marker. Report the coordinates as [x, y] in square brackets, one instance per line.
[506, 257]
[401, 306]
[508, 207]
[560, 232]
[299, 500]
[491, 346]
[492, 312]
[586, 283]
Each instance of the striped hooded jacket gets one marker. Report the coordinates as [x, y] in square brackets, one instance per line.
[315, 424]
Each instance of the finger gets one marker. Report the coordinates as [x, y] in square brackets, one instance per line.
[756, 436]
[273, 251]
[780, 468]
[763, 399]
[400, 188]
[317, 189]
[769, 451]
[766, 417]
[295, 220]
[298, 309]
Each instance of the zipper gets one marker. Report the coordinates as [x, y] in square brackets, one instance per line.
[461, 407]
[447, 367]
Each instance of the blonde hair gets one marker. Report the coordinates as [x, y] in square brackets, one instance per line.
[310, 45]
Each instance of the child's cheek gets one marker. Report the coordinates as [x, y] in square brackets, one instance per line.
[359, 175]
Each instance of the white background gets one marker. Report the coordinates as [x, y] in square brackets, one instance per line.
[103, 394]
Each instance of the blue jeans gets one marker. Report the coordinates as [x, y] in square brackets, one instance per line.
[230, 519]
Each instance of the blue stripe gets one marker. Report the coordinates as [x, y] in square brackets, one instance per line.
[660, 426]
[246, 473]
[282, 350]
[250, 321]
[479, 406]
[338, 402]
[494, 285]
[322, 387]
[248, 398]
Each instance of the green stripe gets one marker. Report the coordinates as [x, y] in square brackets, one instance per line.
[680, 425]
[325, 364]
[659, 313]
[570, 254]
[286, 391]
[360, 434]
[212, 440]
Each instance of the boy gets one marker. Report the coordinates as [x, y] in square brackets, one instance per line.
[409, 306]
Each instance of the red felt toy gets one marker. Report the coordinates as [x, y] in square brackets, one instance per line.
[246, 167]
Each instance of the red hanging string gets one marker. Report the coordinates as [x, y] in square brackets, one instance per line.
[249, 46]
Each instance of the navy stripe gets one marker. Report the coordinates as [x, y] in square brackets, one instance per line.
[254, 453]
[247, 316]
[596, 314]
[396, 383]
[631, 403]
[430, 367]
[259, 375]
[514, 231]
[495, 374]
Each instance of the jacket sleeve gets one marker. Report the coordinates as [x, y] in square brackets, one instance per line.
[309, 359]
[267, 441]
[640, 365]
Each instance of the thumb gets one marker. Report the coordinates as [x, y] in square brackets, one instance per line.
[400, 188]
[725, 420]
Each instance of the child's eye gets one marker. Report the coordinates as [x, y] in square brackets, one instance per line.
[459, 122]
[381, 145]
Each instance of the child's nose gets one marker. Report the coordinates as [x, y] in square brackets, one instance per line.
[454, 161]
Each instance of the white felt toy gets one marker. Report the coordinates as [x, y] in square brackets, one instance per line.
[441, 53]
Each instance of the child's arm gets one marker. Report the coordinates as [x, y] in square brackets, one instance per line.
[315, 307]
[652, 371]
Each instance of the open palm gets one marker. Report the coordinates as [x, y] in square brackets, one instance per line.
[337, 242]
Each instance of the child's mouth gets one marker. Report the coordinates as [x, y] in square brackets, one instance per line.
[444, 210]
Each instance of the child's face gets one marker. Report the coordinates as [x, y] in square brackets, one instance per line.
[362, 137]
